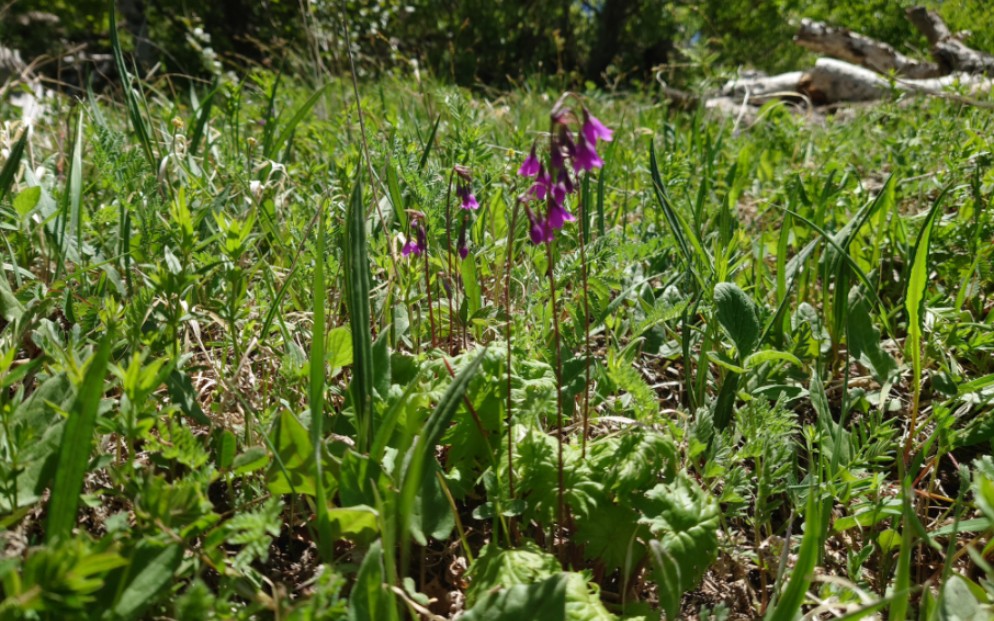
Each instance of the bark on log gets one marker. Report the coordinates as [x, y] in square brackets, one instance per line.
[832, 81]
[861, 50]
[951, 53]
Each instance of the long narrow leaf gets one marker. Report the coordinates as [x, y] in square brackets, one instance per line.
[77, 439]
[357, 289]
[424, 445]
[10, 166]
[325, 538]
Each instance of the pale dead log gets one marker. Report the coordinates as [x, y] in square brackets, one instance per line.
[759, 90]
[951, 53]
[832, 81]
[861, 50]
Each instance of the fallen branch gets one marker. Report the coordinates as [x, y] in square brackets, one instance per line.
[951, 53]
[759, 90]
[832, 81]
[861, 50]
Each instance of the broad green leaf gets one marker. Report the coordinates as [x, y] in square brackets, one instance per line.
[957, 602]
[358, 523]
[864, 340]
[496, 568]
[149, 572]
[424, 446]
[26, 200]
[77, 440]
[738, 315]
[544, 600]
[683, 518]
[251, 459]
[340, 347]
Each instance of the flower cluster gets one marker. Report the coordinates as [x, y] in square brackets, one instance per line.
[553, 181]
[463, 190]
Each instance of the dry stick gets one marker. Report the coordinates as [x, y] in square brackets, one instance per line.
[561, 505]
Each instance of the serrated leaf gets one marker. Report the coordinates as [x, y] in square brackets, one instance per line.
[544, 600]
[684, 520]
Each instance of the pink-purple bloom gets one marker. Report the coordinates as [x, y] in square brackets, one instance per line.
[594, 130]
[553, 181]
[586, 157]
[419, 243]
[466, 196]
[531, 166]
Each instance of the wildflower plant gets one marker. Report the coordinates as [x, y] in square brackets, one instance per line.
[573, 139]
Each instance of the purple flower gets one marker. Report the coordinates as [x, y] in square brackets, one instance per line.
[558, 216]
[467, 198]
[530, 167]
[539, 230]
[542, 185]
[594, 130]
[586, 157]
[420, 243]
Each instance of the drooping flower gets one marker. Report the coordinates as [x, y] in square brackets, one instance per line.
[466, 196]
[542, 185]
[586, 157]
[538, 230]
[558, 216]
[419, 243]
[531, 166]
[594, 130]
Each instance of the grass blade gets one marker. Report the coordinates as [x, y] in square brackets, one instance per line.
[285, 134]
[789, 605]
[325, 538]
[74, 450]
[10, 166]
[914, 304]
[138, 120]
[429, 144]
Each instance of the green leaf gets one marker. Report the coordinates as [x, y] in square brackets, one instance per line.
[738, 315]
[357, 286]
[339, 347]
[251, 459]
[316, 397]
[683, 518]
[26, 200]
[9, 170]
[150, 571]
[496, 568]
[183, 394]
[788, 607]
[544, 600]
[77, 440]
[864, 340]
[771, 355]
[294, 449]
[358, 523]
[958, 603]
[424, 447]
[914, 299]
[371, 599]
